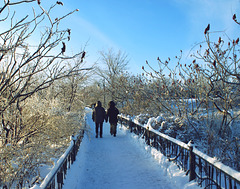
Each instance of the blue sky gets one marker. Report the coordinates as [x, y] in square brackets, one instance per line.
[144, 29]
[147, 29]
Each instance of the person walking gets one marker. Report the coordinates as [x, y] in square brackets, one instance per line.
[112, 113]
[98, 116]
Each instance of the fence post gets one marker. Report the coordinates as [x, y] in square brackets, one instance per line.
[147, 135]
[74, 149]
[131, 125]
[121, 120]
[192, 162]
[60, 179]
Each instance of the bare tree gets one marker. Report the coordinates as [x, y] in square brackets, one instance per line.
[28, 69]
[115, 65]
[33, 56]
[206, 89]
[221, 70]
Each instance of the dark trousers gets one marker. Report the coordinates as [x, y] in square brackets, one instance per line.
[101, 128]
[113, 128]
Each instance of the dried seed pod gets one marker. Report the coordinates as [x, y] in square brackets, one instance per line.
[234, 17]
[237, 40]
[60, 3]
[207, 29]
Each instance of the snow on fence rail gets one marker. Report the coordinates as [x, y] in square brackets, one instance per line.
[207, 171]
[56, 176]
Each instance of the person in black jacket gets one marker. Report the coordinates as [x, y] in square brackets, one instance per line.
[98, 116]
[112, 113]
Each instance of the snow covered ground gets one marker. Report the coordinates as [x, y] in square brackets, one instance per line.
[122, 162]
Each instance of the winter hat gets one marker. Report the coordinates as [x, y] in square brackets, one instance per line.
[99, 104]
[111, 104]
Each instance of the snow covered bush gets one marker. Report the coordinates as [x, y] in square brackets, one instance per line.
[34, 125]
[43, 134]
[142, 118]
[202, 95]
[205, 138]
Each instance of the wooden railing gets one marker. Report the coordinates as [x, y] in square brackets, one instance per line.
[205, 170]
[55, 177]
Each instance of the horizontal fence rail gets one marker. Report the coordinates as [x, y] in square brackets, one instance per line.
[205, 170]
[55, 177]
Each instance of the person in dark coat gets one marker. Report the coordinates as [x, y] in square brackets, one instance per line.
[98, 116]
[112, 113]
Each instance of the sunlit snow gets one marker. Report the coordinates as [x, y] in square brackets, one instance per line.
[122, 162]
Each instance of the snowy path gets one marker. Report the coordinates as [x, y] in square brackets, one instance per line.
[114, 162]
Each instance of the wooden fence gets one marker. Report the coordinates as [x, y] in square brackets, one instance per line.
[205, 170]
